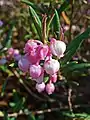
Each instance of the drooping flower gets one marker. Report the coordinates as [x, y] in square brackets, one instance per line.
[1, 23]
[30, 46]
[40, 78]
[35, 71]
[13, 53]
[32, 51]
[16, 55]
[53, 78]
[50, 88]
[42, 51]
[51, 66]
[57, 47]
[10, 51]
[33, 57]
[40, 87]
[23, 64]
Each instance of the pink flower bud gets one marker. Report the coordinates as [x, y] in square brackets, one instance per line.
[57, 47]
[40, 87]
[16, 55]
[50, 88]
[15, 52]
[23, 64]
[51, 66]
[53, 78]
[10, 51]
[35, 71]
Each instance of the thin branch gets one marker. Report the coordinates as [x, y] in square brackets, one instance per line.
[26, 87]
[71, 18]
[44, 35]
[69, 99]
[44, 111]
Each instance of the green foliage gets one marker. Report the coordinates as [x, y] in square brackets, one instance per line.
[7, 42]
[74, 45]
[36, 20]
[75, 66]
[31, 117]
[63, 7]
[18, 102]
[56, 24]
[76, 116]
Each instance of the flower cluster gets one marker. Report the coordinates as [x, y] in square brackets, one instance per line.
[38, 61]
[13, 53]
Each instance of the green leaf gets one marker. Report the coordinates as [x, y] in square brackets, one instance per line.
[13, 118]
[36, 21]
[12, 104]
[4, 87]
[29, 3]
[75, 66]
[74, 45]
[46, 79]
[57, 24]
[5, 115]
[68, 114]
[19, 105]
[18, 101]
[31, 117]
[7, 42]
[49, 21]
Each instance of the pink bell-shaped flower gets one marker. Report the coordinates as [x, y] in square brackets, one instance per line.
[40, 87]
[40, 78]
[10, 51]
[51, 66]
[57, 47]
[33, 57]
[50, 88]
[42, 51]
[35, 71]
[30, 45]
[53, 78]
[23, 64]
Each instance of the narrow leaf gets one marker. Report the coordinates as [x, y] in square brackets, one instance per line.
[31, 117]
[4, 87]
[74, 45]
[29, 3]
[57, 24]
[7, 42]
[75, 66]
[49, 21]
[5, 115]
[36, 21]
